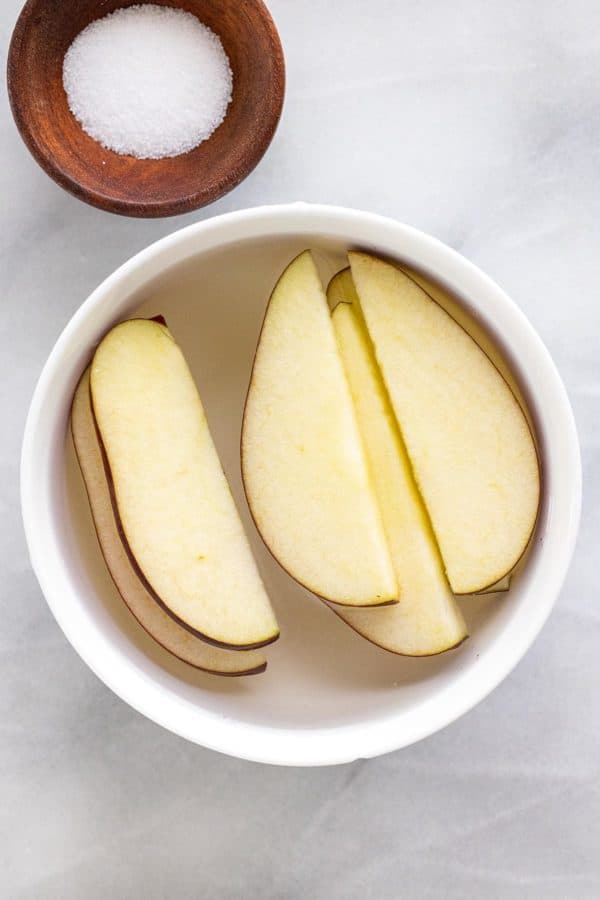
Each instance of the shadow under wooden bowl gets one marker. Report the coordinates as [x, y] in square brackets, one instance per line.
[124, 184]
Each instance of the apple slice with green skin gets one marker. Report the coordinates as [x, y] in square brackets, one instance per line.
[303, 464]
[173, 502]
[467, 438]
[427, 619]
[150, 615]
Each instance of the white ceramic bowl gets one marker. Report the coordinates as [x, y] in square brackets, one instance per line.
[328, 696]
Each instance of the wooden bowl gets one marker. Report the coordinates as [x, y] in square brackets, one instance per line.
[148, 187]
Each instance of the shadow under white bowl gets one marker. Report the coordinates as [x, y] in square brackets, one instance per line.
[328, 696]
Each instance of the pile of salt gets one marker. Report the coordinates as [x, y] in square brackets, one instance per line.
[147, 80]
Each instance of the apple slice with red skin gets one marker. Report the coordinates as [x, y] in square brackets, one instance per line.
[150, 615]
[426, 620]
[174, 505]
[303, 464]
[468, 440]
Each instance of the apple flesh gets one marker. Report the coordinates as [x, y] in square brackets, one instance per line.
[500, 587]
[174, 506]
[467, 438]
[303, 464]
[427, 619]
[150, 615]
[341, 289]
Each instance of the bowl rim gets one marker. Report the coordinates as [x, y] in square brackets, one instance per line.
[263, 135]
[391, 731]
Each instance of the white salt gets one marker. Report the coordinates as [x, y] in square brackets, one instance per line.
[148, 80]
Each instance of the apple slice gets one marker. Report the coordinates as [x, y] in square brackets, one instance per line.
[468, 440]
[303, 463]
[500, 587]
[150, 615]
[427, 619]
[174, 505]
[341, 290]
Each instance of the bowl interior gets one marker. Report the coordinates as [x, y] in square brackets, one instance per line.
[320, 673]
[124, 184]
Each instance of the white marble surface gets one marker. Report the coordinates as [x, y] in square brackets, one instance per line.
[478, 122]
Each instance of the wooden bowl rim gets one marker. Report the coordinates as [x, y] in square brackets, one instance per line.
[146, 208]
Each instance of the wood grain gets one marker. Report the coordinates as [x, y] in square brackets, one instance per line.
[123, 184]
